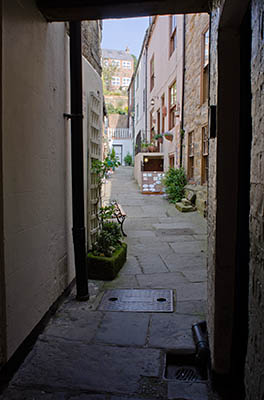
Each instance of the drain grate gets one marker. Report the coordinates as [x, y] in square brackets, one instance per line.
[184, 367]
[186, 374]
[137, 300]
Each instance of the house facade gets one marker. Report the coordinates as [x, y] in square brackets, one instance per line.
[121, 65]
[171, 99]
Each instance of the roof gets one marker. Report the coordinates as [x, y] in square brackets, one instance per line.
[116, 54]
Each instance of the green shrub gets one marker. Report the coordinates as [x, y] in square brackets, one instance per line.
[128, 159]
[174, 182]
[108, 240]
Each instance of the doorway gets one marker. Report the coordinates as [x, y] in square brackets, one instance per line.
[118, 148]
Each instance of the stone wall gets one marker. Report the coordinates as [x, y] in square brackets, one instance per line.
[255, 354]
[91, 43]
[195, 112]
[117, 121]
[211, 212]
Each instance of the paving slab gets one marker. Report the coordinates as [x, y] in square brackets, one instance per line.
[188, 247]
[162, 280]
[150, 210]
[123, 329]
[172, 331]
[195, 307]
[79, 326]
[131, 266]
[151, 263]
[196, 275]
[187, 391]
[142, 234]
[58, 364]
[176, 225]
[141, 249]
[191, 291]
[125, 281]
[181, 262]
[26, 394]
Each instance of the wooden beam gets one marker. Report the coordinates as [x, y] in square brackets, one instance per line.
[73, 10]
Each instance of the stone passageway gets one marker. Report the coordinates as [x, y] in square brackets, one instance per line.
[86, 353]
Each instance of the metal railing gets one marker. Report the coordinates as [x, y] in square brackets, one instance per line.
[119, 133]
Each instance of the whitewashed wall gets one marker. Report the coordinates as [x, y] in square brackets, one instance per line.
[34, 167]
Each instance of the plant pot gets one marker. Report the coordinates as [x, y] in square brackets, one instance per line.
[160, 140]
[106, 268]
[169, 136]
[151, 149]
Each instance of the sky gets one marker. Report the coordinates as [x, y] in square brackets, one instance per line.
[121, 33]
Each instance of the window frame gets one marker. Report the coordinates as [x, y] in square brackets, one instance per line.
[172, 34]
[191, 155]
[126, 64]
[152, 73]
[128, 82]
[162, 113]
[117, 78]
[172, 105]
[204, 65]
[115, 62]
[204, 155]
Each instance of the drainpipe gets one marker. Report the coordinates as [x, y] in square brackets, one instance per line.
[183, 89]
[76, 116]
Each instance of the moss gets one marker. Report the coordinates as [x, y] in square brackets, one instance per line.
[106, 268]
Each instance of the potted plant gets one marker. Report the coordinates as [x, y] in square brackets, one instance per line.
[128, 159]
[144, 146]
[169, 136]
[108, 253]
[158, 137]
[151, 147]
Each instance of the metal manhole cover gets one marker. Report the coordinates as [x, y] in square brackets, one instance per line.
[139, 300]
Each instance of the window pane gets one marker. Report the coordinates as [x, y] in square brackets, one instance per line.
[173, 22]
[206, 48]
[173, 94]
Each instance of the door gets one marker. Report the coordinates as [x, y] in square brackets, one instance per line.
[118, 152]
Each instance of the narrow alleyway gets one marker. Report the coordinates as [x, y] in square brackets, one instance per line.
[86, 353]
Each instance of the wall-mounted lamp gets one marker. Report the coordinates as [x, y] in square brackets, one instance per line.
[152, 101]
[146, 159]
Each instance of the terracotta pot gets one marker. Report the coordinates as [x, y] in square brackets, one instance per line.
[169, 136]
[151, 149]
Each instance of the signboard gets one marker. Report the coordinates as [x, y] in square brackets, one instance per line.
[152, 182]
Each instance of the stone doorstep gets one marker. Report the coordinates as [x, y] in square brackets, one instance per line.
[184, 208]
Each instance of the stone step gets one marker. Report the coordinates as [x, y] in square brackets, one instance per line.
[186, 202]
[184, 208]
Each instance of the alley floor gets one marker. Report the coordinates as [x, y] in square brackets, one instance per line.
[91, 354]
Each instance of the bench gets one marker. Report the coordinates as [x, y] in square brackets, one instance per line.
[120, 215]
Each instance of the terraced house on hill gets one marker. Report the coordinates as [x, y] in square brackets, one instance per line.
[121, 64]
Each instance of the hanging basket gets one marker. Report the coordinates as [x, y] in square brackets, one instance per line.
[168, 136]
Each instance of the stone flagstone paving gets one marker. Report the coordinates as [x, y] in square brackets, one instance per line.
[88, 354]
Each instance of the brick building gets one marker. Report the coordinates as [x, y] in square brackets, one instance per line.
[122, 64]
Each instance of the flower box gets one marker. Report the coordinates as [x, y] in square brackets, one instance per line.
[106, 268]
